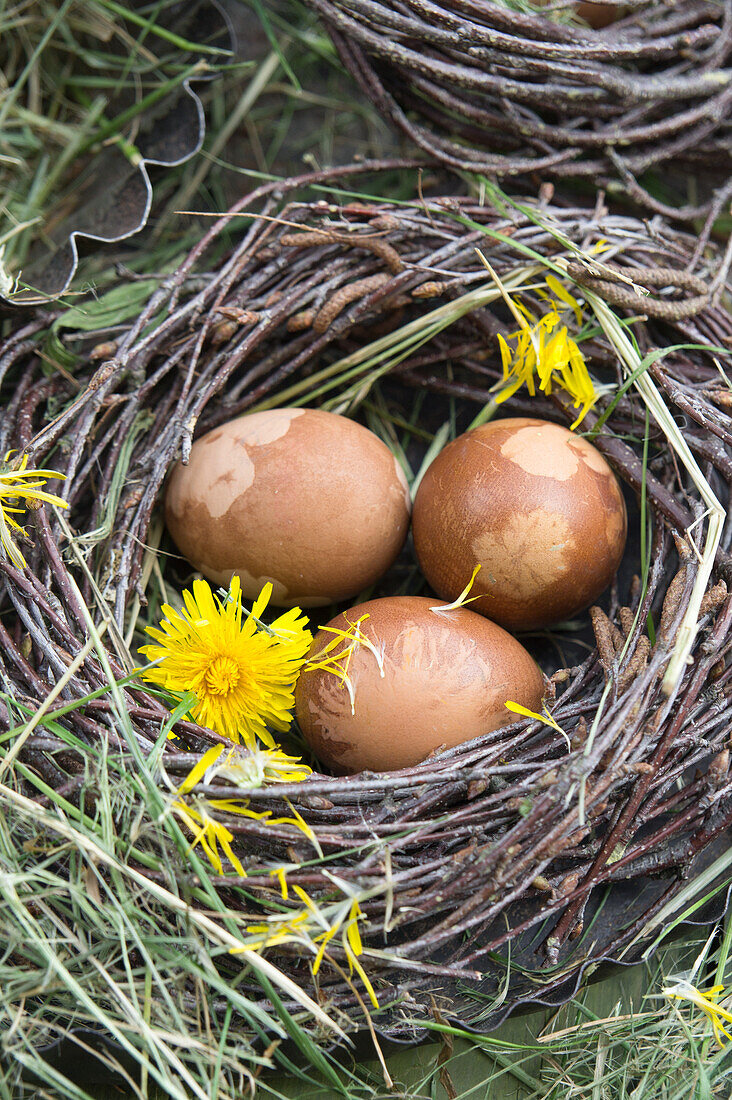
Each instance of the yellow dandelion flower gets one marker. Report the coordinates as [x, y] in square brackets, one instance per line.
[19, 489]
[241, 672]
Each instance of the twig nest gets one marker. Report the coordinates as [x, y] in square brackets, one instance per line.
[469, 841]
[505, 89]
[537, 507]
[311, 501]
[425, 677]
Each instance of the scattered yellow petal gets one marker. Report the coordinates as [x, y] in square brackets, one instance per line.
[354, 936]
[315, 928]
[308, 901]
[546, 717]
[18, 487]
[462, 600]
[544, 348]
[356, 965]
[338, 663]
[258, 767]
[564, 296]
[280, 873]
[706, 1000]
[213, 834]
[301, 823]
[196, 773]
[324, 941]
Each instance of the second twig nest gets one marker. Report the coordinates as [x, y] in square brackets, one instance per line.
[483, 87]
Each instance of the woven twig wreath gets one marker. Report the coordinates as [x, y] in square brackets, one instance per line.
[484, 87]
[487, 842]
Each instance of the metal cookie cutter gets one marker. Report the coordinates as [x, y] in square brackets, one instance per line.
[111, 195]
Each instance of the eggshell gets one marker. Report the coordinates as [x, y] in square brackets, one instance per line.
[536, 506]
[446, 679]
[598, 15]
[311, 501]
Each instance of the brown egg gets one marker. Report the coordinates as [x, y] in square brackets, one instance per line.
[446, 678]
[311, 501]
[536, 506]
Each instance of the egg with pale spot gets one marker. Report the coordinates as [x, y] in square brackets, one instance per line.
[310, 501]
[423, 678]
[536, 506]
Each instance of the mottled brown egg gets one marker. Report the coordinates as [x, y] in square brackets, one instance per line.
[536, 506]
[311, 501]
[446, 678]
